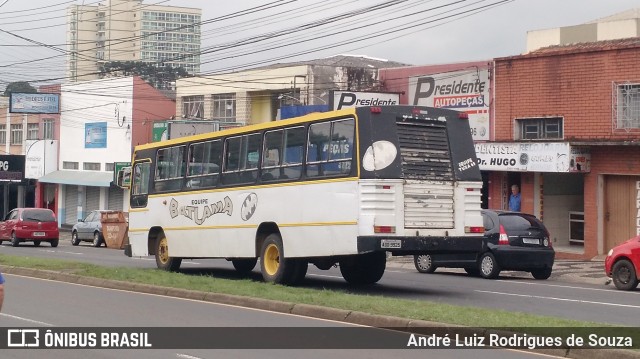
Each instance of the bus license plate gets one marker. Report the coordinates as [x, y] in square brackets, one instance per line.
[38, 234]
[391, 243]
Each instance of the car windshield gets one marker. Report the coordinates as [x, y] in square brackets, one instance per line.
[520, 222]
[35, 215]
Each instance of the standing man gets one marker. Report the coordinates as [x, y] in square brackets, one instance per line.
[1, 290]
[514, 198]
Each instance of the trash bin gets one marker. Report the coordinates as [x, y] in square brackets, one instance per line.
[115, 228]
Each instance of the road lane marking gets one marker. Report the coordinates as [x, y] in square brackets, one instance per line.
[609, 290]
[324, 276]
[561, 299]
[26, 319]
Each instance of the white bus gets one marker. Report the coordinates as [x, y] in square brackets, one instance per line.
[342, 187]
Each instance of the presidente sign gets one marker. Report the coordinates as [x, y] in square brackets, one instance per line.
[34, 103]
[533, 157]
[466, 91]
[346, 99]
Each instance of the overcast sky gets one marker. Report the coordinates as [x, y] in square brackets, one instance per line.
[412, 31]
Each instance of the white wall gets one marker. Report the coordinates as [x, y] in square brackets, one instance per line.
[96, 101]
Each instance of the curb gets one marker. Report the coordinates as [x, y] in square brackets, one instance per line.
[307, 310]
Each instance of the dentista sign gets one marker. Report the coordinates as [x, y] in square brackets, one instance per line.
[533, 157]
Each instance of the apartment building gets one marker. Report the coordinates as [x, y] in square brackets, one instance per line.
[130, 30]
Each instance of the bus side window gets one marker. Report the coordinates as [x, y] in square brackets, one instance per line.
[170, 169]
[242, 156]
[204, 164]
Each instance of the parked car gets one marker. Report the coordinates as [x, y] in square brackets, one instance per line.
[512, 241]
[623, 264]
[88, 229]
[35, 225]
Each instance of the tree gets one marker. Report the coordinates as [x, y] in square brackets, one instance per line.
[159, 76]
[19, 86]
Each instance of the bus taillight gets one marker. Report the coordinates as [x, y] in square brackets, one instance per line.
[474, 229]
[384, 229]
[376, 109]
[463, 116]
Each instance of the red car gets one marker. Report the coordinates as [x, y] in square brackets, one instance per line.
[623, 264]
[30, 224]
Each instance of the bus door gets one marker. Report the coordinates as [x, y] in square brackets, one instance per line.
[140, 177]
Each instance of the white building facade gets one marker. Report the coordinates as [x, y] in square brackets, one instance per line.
[95, 133]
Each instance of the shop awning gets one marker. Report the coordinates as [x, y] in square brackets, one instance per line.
[79, 178]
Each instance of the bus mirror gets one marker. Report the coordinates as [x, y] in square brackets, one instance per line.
[124, 178]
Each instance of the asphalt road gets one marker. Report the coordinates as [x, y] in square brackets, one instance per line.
[38, 303]
[588, 302]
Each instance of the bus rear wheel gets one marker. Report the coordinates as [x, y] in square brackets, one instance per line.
[275, 267]
[364, 268]
[163, 260]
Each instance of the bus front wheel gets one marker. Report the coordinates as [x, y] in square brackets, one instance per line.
[274, 266]
[163, 260]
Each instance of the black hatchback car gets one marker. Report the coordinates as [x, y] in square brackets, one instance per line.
[512, 241]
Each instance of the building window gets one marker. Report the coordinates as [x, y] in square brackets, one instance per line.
[69, 165]
[193, 107]
[91, 166]
[109, 167]
[224, 107]
[545, 128]
[33, 130]
[47, 129]
[16, 134]
[3, 134]
[627, 106]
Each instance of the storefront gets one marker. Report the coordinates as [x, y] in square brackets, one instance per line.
[551, 176]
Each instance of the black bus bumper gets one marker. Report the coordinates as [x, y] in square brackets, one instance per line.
[399, 245]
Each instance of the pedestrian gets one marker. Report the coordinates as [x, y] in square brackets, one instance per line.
[514, 198]
[1, 290]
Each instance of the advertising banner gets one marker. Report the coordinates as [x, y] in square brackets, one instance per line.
[159, 131]
[533, 157]
[11, 168]
[95, 135]
[466, 91]
[34, 103]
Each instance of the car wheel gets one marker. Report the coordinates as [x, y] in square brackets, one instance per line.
[54, 242]
[14, 240]
[488, 266]
[541, 274]
[424, 263]
[624, 275]
[36, 243]
[74, 238]
[97, 241]
[474, 272]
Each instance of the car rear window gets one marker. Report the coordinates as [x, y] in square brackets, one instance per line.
[512, 222]
[38, 216]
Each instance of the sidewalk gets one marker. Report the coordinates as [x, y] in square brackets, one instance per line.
[590, 272]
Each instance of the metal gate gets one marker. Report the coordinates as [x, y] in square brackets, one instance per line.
[116, 199]
[93, 199]
[71, 205]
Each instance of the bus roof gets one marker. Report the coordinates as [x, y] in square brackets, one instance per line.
[237, 130]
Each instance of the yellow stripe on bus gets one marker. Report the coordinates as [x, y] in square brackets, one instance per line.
[310, 224]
